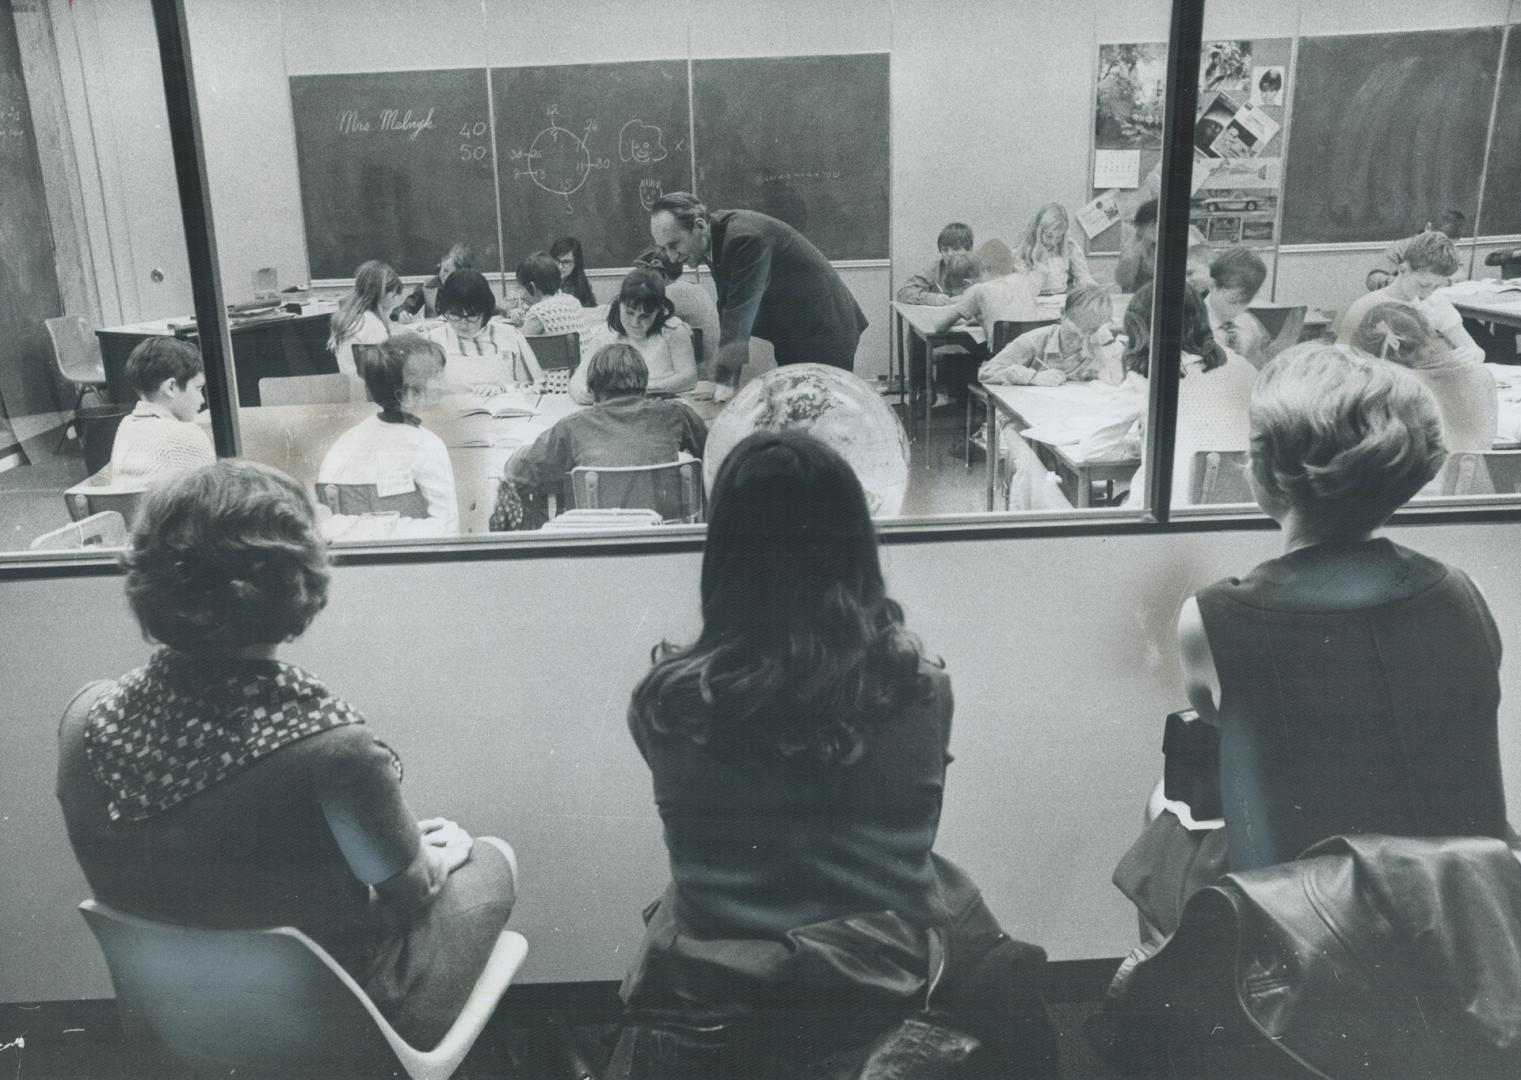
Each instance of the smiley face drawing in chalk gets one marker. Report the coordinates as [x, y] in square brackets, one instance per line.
[641, 143]
[558, 160]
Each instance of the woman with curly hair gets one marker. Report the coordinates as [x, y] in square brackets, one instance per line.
[798, 749]
[219, 786]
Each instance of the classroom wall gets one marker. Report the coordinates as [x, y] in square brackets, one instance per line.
[507, 705]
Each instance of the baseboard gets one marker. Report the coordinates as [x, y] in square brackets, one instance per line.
[95, 1020]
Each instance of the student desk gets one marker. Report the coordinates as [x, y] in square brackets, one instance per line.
[277, 344]
[1027, 406]
[915, 322]
[295, 439]
[1501, 307]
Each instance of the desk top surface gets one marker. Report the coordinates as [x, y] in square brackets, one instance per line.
[167, 327]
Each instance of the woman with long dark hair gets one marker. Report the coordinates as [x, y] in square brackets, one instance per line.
[798, 750]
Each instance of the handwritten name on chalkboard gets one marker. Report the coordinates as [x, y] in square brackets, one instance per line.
[409, 123]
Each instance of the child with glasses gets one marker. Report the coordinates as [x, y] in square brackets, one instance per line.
[483, 349]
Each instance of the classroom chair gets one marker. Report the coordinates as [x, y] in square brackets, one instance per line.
[673, 488]
[76, 351]
[365, 499]
[1219, 476]
[273, 1002]
[1006, 330]
[602, 518]
[1284, 325]
[107, 529]
[559, 355]
[334, 389]
[1495, 473]
[97, 493]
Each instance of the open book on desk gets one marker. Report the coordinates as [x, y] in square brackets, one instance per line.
[508, 438]
[510, 406]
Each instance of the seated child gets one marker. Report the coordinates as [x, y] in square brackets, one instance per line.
[1449, 223]
[1236, 276]
[1052, 253]
[219, 786]
[1080, 347]
[1429, 262]
[643, 316]
[487, 350]
[550, 311]
[623, 427]
[1137, 263]
[364, 316]
[1355, 682]
[160, 438]
[929, 286]
[1465, 393]
[1010, 297]
[392, 451]
[693, 304]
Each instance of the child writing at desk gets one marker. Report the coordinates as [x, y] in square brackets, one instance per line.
[1051, 253]
[1080, 347]
[933, 285]
[1010, 297]
[392, 452]
[643, 317]
[483, 350]
[160, 439]
[1428, 262]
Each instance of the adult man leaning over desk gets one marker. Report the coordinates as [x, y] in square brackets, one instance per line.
[772, 283]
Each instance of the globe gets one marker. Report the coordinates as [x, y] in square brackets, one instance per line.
[833, 406]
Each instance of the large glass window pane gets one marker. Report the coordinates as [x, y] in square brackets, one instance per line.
[93, 256]
[1329, 139]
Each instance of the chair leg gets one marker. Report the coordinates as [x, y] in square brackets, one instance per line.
[74, 422]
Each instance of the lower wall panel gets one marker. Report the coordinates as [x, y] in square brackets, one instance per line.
[503, 686]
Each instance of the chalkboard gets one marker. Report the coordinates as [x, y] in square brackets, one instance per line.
[584, 149]
[802, 138]
[1501, 213]
[28, 276]
[394, 166]
[1385, 131]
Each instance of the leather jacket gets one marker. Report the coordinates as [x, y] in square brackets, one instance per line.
[1367, 956]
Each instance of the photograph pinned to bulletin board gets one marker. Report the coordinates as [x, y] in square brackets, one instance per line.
[1238, 142]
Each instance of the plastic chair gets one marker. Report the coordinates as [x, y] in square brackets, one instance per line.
[274, 1001]
[1494, 473]
[673, 489]
[76, 351]
[107, 529]
[96, 494]
[559, 355]
[359, 499]
[334, 389]
[595, 518]
[1219, 476]
[1006, 330]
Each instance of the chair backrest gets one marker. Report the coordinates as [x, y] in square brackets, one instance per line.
[673, 489]
[331, 389]
[1219, 476]
[1006, 330]
[1494, 473]
[559, 355]
[76, 350]
[96, 494]
[107, 529]
[261, 999]
[591, 518]
[364, 499]
[1284, 325]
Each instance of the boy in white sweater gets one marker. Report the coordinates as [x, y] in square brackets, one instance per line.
[160, 437]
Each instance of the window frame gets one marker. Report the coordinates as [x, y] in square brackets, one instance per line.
[1157, 516]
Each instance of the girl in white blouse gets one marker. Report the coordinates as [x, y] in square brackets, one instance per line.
[483, 350]
[364, 316]
[643, 317]
[1050, 252]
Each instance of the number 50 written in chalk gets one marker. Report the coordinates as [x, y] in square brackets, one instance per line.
[472, 153]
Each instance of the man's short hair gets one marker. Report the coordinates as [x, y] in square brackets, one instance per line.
[616, 370]
[685, 207]
[955, 235]
[1431, 252]
[541, 271]
[1238, 268]
[160, 358]
[1146, 213]
[1343, 438]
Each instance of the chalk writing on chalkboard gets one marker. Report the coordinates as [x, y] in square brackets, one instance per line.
[641, 142]
[558, 160]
